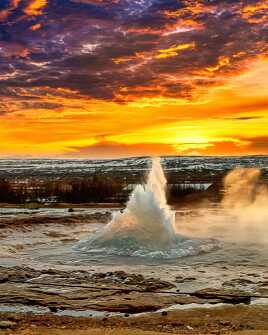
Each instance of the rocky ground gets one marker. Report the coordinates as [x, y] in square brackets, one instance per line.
[108, 292]
[27, 228]
[58, 301]
[27, 221]
[122, 300]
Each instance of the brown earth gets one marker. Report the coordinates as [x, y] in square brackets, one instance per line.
[29, 287]
[242, 320]
[101, 331]
[32, 220]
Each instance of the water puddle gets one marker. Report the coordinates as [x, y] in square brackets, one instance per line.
[39, 310]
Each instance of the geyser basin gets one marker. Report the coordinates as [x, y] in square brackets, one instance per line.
[146, 227]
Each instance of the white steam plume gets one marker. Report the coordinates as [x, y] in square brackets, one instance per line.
[242, 216]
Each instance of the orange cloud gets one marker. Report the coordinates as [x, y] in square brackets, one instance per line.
[35, 7]
[174, 50]
[36, 27]
[253, 146]
[6, 12]
[193, 7]
[10, 49]
[256, 13]
[109, 149]
[222, 62]
[120, 60]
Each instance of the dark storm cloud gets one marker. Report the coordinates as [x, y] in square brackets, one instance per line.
[112, 49]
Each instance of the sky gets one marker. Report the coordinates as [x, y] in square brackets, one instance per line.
[118, 78]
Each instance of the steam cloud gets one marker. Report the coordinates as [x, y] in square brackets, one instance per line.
[243, 213]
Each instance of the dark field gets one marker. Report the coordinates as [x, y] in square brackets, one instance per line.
[111, 181]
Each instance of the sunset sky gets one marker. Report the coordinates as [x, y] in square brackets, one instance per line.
[117, 78]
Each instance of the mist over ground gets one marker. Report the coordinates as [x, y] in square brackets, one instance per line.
[242, 215]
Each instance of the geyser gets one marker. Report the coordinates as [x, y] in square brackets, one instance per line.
[146, 227]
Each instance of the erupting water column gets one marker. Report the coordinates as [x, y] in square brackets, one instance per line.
[147, 220]
[146, 227]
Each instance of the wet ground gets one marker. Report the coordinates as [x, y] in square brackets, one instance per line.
[45, 238]
[42, 273]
